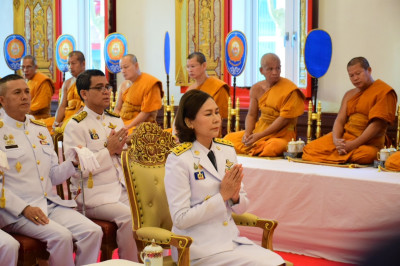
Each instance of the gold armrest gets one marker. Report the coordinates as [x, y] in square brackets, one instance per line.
[163, 237]
[268, 226]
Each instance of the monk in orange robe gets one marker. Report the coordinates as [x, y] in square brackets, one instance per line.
[41, 88]
[360, 126]
[196, 65]
[280, 103]
[393, 162]
[139, 96]
[70, 102]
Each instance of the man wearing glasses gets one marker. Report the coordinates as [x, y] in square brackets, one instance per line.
[103, 133]
[41, 88]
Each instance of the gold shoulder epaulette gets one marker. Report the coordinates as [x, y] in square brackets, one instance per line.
[79, 117]
[178, 150]
[1, 123]
[39, 123]
[111, 113]
[223, 141]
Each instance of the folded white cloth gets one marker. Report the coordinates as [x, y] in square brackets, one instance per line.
[3, 161]
[87, 160]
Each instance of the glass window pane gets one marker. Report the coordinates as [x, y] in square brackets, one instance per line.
[96, 24]
[271, 28]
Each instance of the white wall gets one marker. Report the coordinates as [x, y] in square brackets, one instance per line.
[6, 28]
[368, 28]
[144, 24]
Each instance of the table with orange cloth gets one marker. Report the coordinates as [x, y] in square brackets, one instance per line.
[322, 211]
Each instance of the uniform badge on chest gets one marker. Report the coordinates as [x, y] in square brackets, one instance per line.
[111, 125]
[228, 165]
[93, 134]
[42, 138]
[199, 174]
[10, 142]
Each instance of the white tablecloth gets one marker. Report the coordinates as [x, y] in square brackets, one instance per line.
[330, 212]
[116, 262]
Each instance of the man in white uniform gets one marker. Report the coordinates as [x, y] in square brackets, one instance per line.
[8, 249]
[103, 133]
[32, 208]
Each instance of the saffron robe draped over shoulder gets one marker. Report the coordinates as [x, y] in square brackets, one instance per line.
[144, 95]
[283, 99]
[42, 89]
[219, 90]
[74, 102]
[376, 102]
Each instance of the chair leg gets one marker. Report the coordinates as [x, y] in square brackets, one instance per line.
[106, 253]
[42, 262]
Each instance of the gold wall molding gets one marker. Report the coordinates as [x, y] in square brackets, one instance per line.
[303, 36]
[35, 20]
[199, 27]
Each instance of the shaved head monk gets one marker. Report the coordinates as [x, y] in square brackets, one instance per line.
[70, 102]
[197, 68]
[139, 96]
[360, 126]
[280, 103]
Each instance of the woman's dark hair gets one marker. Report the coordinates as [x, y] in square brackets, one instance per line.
[189, 106]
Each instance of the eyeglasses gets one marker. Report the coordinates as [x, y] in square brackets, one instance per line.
[102, 88]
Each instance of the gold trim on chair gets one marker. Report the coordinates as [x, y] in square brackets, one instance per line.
[311, 117]
[143, 164]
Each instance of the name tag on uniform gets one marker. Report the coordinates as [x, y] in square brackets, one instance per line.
[199, 175]
[11, 146]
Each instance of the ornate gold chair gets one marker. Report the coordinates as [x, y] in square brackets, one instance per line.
[109, 241]
[311, 117]
[168, 109]
[233, 112]
[144, 169]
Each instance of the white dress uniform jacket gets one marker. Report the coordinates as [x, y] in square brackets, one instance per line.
[34, 168]
[91, 130]
[197, 209]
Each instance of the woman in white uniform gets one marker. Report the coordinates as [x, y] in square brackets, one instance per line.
[203, 190]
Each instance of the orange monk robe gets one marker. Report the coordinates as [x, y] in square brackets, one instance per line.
[41, 88]
[376, 102]
[393, 162]
[283, 99]
[219, 90]
[74, 104]
[144, 95]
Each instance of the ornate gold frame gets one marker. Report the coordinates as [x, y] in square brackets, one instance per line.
[199, 26]
[36, 21]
